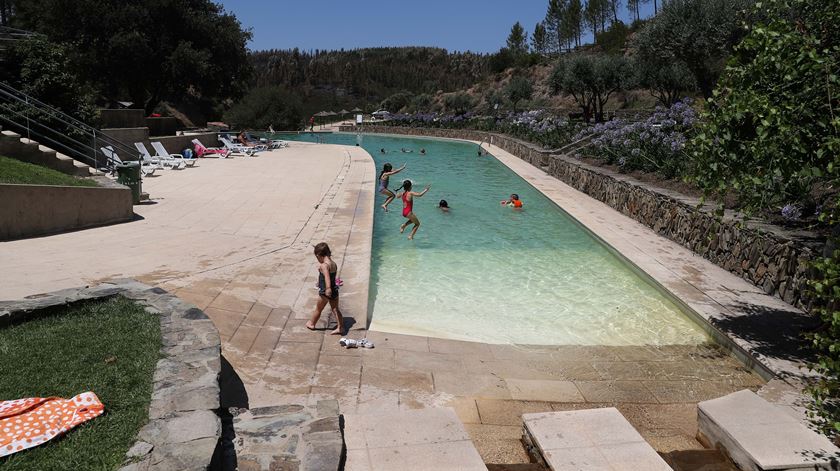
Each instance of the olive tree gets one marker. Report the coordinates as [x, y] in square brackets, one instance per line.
[697, 33]
[590, 80]
[518, 89]
[459, 103]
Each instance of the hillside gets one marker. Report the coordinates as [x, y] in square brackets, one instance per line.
[364, 77]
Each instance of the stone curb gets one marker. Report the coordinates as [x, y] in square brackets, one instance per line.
[183, 428]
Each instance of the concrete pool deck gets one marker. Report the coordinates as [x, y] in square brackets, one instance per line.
[234, 237]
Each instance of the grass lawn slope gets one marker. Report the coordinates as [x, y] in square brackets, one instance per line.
[109, 347]
[15, 171]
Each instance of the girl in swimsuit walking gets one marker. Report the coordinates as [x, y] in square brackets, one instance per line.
[408, 207]
[327, 289]
[384, 176]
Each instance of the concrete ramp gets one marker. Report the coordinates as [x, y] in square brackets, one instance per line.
[588, 440]
[409, 440]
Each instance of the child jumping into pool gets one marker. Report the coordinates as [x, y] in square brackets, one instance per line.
[513, 202]
[384, 177]
[327, 288]
[408, 207]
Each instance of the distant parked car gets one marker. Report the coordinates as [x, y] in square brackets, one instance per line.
[381, 114]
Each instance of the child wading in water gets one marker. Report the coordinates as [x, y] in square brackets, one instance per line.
[408, 207]
[384, 177]
[327, 289]
[513, 202]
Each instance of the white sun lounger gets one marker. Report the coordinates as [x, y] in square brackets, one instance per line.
[238, 148]
[147, 158]
[162, 162]
[146, 168]
[162, 153]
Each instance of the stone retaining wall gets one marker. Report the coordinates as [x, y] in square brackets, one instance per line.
[770, 257]
[32, 210]
[183, 429]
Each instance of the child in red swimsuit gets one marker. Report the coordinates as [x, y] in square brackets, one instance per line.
[408, 207]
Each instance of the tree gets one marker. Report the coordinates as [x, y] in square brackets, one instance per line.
[421, 102]
[668, 83]
[459, 103]
[44, 70]
[699, 33]
[147, 51]
[634, 5]
[614, 39]
[267, 106]
[591, 80]
[554, 25]
[518, 89]
[517, 41]
[595, 15]
[614, 6]
[502, 60]
[539, 41]
[396, 102]
[574, 21]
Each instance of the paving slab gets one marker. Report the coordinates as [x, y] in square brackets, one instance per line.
[758, 435]
[409, 440]
[590, 439]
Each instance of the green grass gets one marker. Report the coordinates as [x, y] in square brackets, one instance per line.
[109, 347]
[15, 171]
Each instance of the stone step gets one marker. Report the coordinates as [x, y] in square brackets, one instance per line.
[589, 439]
[409, 440]
[27, 150]
[9, 135]
[285, 436]
[757, 435]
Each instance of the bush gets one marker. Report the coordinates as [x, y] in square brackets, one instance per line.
[518, 89]
[396, 102]
[656, 144]
[459, 103]
[267, 106]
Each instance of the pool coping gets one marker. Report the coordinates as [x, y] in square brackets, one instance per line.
[704, 307]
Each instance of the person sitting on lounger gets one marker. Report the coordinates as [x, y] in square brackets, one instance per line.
[243, 139]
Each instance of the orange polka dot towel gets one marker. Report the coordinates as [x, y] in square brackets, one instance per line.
[25, 423]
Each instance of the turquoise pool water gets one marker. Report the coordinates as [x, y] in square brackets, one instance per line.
[487, 273]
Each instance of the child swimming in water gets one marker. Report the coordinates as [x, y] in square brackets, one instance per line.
[443, 206]
[513, 202]
[384, 177]
[327, 288]
[408, 207]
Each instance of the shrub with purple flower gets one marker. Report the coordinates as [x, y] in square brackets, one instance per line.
[537, 126]
[656, 144]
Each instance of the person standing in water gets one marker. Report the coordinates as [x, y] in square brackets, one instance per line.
[327, 288]
[408, 207]
[384, 177]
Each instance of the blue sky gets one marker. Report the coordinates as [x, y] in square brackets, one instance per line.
[457, 25]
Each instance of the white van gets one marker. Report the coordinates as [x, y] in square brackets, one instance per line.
[381, 114]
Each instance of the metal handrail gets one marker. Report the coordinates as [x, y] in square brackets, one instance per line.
[46, 134]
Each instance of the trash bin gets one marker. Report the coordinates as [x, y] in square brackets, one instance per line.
[128, 174]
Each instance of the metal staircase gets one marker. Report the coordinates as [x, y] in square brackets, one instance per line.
[36, 121]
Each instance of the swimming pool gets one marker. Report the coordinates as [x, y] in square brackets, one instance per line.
[487, 273]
